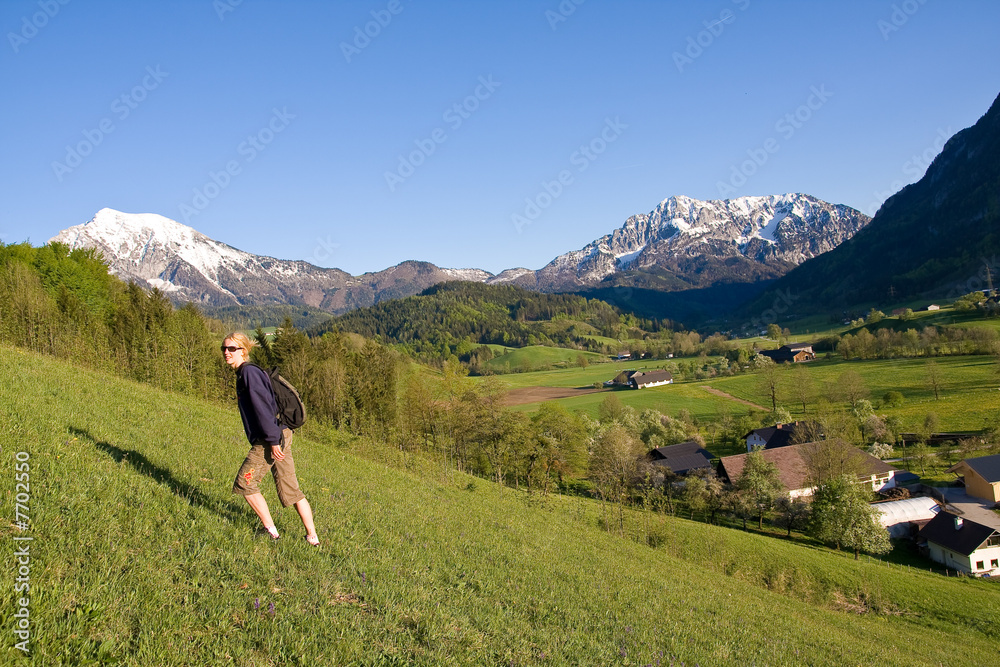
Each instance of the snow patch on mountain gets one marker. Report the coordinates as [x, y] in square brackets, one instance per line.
[188, 266]
[773, 230]
[767, 231]
[472, 275]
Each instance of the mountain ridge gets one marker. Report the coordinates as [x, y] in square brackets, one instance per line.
[187, 265]
[763, 235]
[935, 238]
[683, 243]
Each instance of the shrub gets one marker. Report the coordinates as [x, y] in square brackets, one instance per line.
[892, 399]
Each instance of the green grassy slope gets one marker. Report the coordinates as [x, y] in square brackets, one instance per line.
[968, 392]
[968, 389]
[141, 557]
[539, 356]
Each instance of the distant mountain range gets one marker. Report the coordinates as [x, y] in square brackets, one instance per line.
[687, 243]
[185, 264]
[682, 243]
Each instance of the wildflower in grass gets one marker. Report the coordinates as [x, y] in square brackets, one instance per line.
[256, 603]
[270, 609]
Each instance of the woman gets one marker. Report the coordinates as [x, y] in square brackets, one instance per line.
[270, 443]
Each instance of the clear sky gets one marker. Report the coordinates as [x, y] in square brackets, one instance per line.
[469, 134]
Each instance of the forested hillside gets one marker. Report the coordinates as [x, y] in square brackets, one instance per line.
[454, 319]
[64, 303]
[938, 235]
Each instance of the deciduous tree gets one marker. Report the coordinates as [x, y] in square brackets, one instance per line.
[842, 516]
[760, 483]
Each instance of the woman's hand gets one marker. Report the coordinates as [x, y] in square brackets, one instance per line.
[276, 453]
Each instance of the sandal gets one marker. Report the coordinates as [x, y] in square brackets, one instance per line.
[313, 540]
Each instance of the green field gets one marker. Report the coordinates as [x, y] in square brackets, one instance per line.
[142, 557]
[574, 376]
[968, 388]
[532, 357]
[819, 326]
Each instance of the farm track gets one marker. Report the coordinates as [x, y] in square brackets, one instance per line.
[524, 395]
[717, 392]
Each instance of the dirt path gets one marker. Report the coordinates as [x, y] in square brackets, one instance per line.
[713, 390]
[536, 394]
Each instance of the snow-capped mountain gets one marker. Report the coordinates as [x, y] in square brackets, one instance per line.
[686, 243]
[682, 243]
[185, 264]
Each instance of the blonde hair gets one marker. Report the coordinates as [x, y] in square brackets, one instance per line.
[242, 339]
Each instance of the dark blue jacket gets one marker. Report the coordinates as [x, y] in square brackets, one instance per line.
[257, 407]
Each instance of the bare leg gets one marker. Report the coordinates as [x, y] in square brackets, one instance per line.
[306, 514]
[259, 506]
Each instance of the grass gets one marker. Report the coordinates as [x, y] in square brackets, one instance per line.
[142, 556]
[667, 399]
[968, 392]
[535, 357]
[968, 389]
[575, 376]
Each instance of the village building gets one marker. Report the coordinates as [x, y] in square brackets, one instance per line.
[792, 353]
[962, 544]
[641, 380]
[681, 458]
[779, 435]
[902, 517]
[795, 472]
[981, 476]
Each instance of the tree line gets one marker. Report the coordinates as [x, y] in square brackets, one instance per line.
[930, 341]
[453, 321]
[63, 302]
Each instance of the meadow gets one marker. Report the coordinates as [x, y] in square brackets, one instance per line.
[141, 556]
[531, 357]
[968, 389]
[968, 394]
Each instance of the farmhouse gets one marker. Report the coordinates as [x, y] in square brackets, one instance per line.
[779, 435]
[641, 380]
[792, 352]
[981, 476]
[961, 544]
[796, 465]
[900, 516]
[681, 458]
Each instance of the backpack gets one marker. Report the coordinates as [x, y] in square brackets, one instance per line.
[291, 410]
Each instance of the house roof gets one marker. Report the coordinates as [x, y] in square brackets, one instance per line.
[682, 457]
[911, 509]
[781, 354]
[988, 467]
[647, 377]
[786, 352]
[965, 540]
[905, 477]
[793, 464]
[778, 435]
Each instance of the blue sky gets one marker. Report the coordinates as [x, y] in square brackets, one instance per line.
[469, 134]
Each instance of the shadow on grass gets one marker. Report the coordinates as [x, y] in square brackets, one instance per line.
[190, 494]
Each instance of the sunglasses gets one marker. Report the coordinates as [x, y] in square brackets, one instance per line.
[230, 348]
